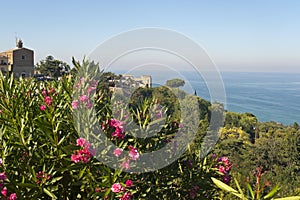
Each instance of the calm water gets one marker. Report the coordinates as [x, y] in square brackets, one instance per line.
[270, 96]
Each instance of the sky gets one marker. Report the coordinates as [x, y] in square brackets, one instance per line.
[256, 35]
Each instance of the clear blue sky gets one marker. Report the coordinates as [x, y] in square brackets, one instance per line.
[259, 35]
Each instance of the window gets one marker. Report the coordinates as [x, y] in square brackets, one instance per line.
[2, 62]
[23, 57]
[23, 74]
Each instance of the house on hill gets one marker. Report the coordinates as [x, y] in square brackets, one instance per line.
[18, 60]
[129, 81]
[143, 81]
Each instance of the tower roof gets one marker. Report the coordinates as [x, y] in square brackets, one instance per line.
[19, 43]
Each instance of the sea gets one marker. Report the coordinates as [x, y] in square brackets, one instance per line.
[270, 96]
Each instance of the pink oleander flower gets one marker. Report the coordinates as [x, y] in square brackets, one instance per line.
[1, 161]
[13, 196]
[117, 187]
[128, 183]
[95, 83]
[133, 153]
[119, 128]
[40, 176]
[42, 107]
[228, 167]
[75, 104]
[193, 194]
[159, 114]
[118, 133]
[226, 179]
[196, 187]
[126, 196]
[126, 164]
[118, 152]
[190, 163]
[2, 176]
[222, 169]
[44, 92]
[52, 90]
[80, 81]
[4, 191]
[75, 158]
[91, 89]
[81, 155]
[116, 123]
[97, 189]
[48, 100]
[83, 143]
[85, 154]
[88, 105]
[213, 156]
[84, 98]
[1, 185]
[225, 160]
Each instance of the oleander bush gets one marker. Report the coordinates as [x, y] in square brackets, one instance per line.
[48, 148]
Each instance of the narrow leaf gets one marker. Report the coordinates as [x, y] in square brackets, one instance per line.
[272, 192]
[250, 191]
[50, 194]
[223, 186]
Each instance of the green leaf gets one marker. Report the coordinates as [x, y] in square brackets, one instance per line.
[223, 186]
[250, 190]
[50, 194]
[53, 180]
[272, 192]
[61, 140]
[170, 183]
[238, 186]
[81, 172]
[148, 190]
[227, 188]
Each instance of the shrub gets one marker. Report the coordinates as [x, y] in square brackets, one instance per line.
[51, 148]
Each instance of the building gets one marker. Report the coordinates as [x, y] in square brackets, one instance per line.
[143, 81]
[4, 64]
[129, 81]
[146, 80]
[19, 61]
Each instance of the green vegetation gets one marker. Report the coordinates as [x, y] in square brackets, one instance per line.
[175, 83]
[52, 67]
[274, 147]
[46, 154]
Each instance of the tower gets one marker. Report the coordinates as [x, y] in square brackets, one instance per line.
[19, 43]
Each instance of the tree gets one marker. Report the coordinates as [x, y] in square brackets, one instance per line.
[175, 83]
[52, 67]
[246, 121]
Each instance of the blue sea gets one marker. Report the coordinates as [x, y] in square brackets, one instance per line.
[270, 96]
